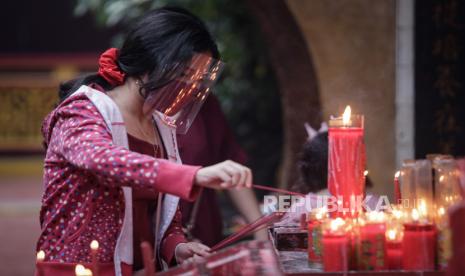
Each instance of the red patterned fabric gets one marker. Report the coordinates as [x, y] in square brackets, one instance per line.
[83, 175]
[108, 68]
[144, 206]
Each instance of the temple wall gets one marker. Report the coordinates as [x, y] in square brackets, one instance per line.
[352, 43]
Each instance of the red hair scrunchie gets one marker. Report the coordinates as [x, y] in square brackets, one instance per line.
[108, 69]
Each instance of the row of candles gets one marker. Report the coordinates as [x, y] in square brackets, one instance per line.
[81, 270]
[394, 240]
[416, 234]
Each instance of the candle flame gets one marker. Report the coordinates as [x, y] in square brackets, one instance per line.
[396, 175]
[365, 173]
[397, 214]
[376, 216]
[80, 270]
[415, 215]
[336, 224]
[392, 234]
[321, 213]
[441, 178]
[422, 207]
[94, 245]
[346, 115]
[441, 211]
[40, 256]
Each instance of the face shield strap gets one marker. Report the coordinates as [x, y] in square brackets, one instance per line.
[181, 99]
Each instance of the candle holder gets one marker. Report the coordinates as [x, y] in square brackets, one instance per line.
[371, 245]
[447, 193]
[416, 188]
[315, 233]
[336, 246]
[394, 252]
[346, 162]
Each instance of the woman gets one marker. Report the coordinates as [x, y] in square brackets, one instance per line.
[104, 173]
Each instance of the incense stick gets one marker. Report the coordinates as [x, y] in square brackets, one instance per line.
[277, 190]
[262, 221]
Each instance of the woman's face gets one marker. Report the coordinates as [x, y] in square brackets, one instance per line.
[181, 98]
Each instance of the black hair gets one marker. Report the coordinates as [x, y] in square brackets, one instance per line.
[313, 166]
[160, 44]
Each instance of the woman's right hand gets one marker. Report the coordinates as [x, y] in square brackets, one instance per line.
[224, 175]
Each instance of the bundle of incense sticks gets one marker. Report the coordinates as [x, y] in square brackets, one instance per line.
[281, 191]
[250, 228]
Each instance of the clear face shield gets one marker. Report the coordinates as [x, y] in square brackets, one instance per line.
[181, 99]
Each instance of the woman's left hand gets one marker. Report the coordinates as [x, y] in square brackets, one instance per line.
[191, 251]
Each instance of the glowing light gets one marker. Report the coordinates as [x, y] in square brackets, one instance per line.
[422, 207]
[441, 178]
[80, 270]
[321, 213]
[415, 215]
[40, 256]
[398, 214]
[396, 175]
[94, 245]
[365, 173]
[392, 234]
[336, 224]
[346, 115]
[441, 211]
[376, 216]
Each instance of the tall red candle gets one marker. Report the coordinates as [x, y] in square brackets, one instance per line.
[419, 246]
[372, 247]
[346, 162]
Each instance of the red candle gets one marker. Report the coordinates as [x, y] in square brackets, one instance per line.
[94, 254]
[346, 162]
[314, 241]
[394, 254]
[419, 246]
[372, 247]
[335, 252]
[397, 195]
[336, 246]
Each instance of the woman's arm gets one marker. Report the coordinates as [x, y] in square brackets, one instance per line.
[82, 138]
[246, 202]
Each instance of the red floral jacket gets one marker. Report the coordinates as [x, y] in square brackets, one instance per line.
[83, 175]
